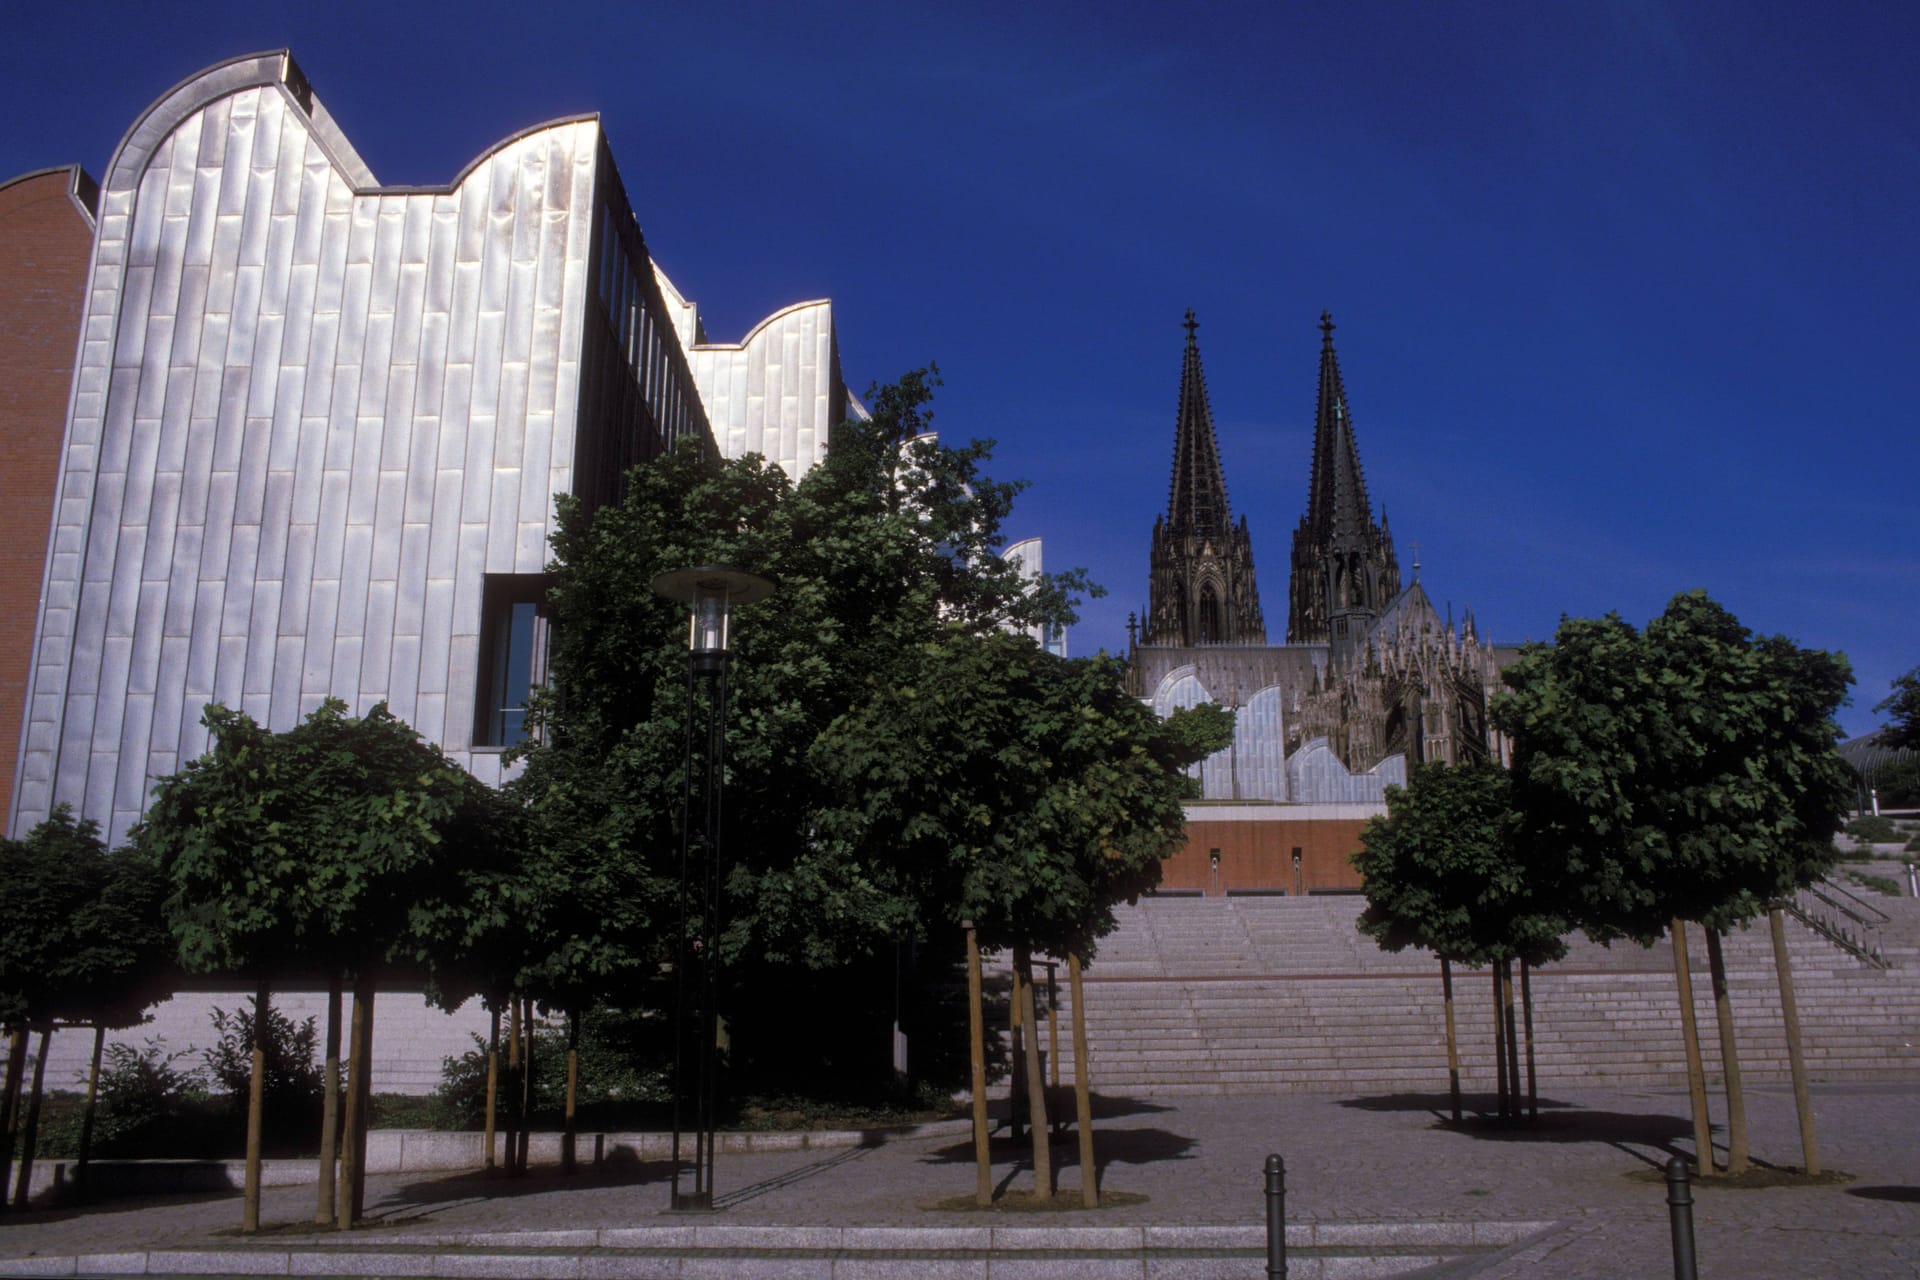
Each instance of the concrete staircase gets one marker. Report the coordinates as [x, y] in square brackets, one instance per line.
[1257, 994]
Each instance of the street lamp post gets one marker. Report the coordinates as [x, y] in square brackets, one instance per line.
[710, 592]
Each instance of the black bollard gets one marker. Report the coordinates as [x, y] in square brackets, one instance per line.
[1680, 1212]
[1276, 1218]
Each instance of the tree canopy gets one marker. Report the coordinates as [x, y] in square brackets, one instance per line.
[82, 941]
[1687, 770]
[1004, 785]
[343, 842]
[1903, 704]
[888, 546]
[1446, 870]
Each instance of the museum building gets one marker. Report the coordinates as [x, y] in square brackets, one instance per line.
[298, 435]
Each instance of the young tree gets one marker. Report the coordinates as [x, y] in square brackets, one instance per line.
[1687, 772]
[82, 946]
[1446, 870]
[343, 844]
[999, 785]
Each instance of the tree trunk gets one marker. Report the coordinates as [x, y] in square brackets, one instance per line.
[323, 1209]
[1036, 1084]
[256, 1107]
[1690, 1034]
[1017, 1052]
[359, 1040]
[1453, 1039]
[10, 1104]
[493, 1081]
[1053, 1029]
[30, 1129]
[1796, 1059]
[1526, 1017]
[1499, 1044]
[366, 1111]
[513, 1079]
[1513, 1035]
[1082, 1090]
[1729, 1059]
[526, 1086]
[86, 1118]
[977, 1063]
[568, 1138]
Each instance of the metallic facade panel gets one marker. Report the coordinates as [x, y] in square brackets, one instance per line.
[310, 415]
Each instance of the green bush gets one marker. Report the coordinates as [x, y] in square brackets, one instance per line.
[1879, 884]
[1873, 829]
[148, 1105]
[625, 1076]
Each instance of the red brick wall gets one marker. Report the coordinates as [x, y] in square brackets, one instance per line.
[44, 242]
[1258, 854]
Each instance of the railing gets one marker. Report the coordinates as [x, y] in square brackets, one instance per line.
[1843, 918]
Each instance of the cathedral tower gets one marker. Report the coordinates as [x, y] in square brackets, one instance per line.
[1344, 568]
[1201, 589]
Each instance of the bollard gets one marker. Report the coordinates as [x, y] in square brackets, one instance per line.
[1276, 1219]
[1680, 1212]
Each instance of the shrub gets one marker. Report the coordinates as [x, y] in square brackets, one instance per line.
[623, 1075]
[1873, 829]
[294, 1085]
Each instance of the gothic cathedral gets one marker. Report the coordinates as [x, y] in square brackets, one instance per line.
[1371, 677]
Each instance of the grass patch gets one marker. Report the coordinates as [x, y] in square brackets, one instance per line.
[1879, 884]
[1874, 830]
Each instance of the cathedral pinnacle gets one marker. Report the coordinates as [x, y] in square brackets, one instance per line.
[1202, 589]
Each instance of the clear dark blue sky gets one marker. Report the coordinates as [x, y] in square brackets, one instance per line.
[1626, 291]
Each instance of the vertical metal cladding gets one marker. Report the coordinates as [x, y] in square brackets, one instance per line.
[778, 391]
[309, 415]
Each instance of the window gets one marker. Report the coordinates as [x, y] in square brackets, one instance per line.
[513, 656]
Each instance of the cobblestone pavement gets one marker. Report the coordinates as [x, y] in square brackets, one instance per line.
[1198, 1162]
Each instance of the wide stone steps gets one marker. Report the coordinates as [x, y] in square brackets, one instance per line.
[1255, 994]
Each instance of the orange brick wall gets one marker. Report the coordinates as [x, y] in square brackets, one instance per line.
[1259, 855]
[44, 242]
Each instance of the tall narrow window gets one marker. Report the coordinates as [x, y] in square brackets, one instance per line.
[513, 656]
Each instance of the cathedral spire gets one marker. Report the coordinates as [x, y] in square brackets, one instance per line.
[1201, 589]
[1343, 561]
[1198, 498]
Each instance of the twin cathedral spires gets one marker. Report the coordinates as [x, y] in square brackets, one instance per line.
[1201, 588]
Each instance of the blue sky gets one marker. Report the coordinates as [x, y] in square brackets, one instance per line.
[1626, 292]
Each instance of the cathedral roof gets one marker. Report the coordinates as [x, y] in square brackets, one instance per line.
[1198, 501]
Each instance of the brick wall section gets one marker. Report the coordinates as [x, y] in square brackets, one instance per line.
[45, 240]
[1258, 856]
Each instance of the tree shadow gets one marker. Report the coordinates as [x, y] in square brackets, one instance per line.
[1137, 1147]
[478, 1186]
[1898, 1195]
[1630, 1132]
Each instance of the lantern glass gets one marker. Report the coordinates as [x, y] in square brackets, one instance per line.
[708, 624]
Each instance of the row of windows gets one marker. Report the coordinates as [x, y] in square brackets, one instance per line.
[641, 329]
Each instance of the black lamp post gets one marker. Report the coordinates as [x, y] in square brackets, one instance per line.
[710, 592]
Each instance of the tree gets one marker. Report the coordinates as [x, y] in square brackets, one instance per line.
[1687, 772]
[889, 544]
[343, 844]
[1024, 793]
[1446, 870]
[1903, 704]
[82, 946]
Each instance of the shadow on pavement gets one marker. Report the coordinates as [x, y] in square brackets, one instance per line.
[1630, 1132]
[476, 1186]
[1900, 1195]
[1110, 1147]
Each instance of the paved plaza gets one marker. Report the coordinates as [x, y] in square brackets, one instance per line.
[1371, 1182]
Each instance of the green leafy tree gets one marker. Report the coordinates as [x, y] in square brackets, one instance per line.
[1684, 772]
[1903, 704]
[994, 783]
[82, 945]
[890, 543]
[344, 843]
[1446, 870]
